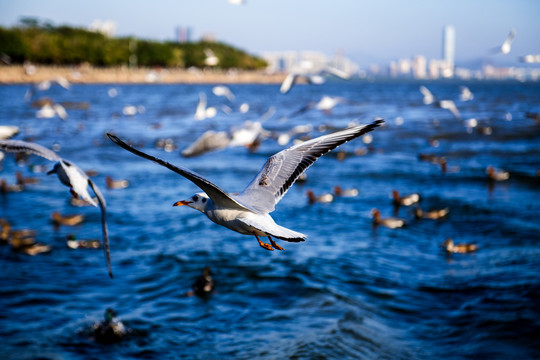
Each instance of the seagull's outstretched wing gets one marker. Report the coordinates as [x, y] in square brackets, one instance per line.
[288, 83]
[337, 72]
[27, 147]
[506, 46]
[282, 169]
[218, 196]
[105, 230]
[428, 96]
[450, 105]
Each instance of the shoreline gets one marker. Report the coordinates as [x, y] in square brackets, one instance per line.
[85, 74]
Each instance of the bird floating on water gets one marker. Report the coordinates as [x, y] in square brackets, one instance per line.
[390, 222]
[109, 330]
[74, 243]
[248, 212]
[116, 184]
[450, 247]
[431, 214]
[9, 188]
[203, 284]
[70, 175]
[23, 180]
[405, 200]
[66, 220]
[497, 174]
[340, 192]
[324, 198]
[23, 241]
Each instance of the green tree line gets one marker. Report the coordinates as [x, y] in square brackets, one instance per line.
[43, 43]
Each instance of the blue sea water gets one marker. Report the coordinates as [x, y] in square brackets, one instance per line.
[351, 291]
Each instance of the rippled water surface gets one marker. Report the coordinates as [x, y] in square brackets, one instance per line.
[349, 291]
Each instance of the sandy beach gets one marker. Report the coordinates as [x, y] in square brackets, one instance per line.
[18, 74]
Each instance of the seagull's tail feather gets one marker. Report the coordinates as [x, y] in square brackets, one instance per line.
[299, 239]
[269, 227]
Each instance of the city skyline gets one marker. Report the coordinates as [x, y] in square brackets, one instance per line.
[365, 32]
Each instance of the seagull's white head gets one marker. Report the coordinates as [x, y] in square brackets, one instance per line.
[197, 202]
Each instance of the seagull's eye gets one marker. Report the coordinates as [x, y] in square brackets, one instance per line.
[195, 198]
[203, 200]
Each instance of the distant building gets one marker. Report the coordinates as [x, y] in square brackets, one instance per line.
[419, 67]
[448, 50]
[183, 34]
[310, 61]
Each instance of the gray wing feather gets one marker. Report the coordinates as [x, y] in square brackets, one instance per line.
[282, 169]
[23, 146]
[218, 196]
[105, 230]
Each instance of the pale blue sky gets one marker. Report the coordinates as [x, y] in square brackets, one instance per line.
[366, 31]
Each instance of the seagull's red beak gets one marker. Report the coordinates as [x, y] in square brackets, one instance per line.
[183, 202]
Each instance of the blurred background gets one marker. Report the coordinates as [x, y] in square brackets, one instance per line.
[422, 235]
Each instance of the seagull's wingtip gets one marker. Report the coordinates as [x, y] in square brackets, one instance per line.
[115, 139]
[378, 122]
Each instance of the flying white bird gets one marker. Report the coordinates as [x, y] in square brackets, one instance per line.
[46, 85]
[506, 45]
[211, 59]
[7, 131]
[202, 112]
[428, 96]
[70, 175]
[248, 134]
[48, 111]
[248, 212]
[317, 78]
[465, 94]
[450, 105]
[530, 59]
[221, 90]
[325, 105]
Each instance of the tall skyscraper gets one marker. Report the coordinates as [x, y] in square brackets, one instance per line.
[449, 45]
[183, 34]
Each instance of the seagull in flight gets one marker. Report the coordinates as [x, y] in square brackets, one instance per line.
[316, 78]
[506, 45]
[70, 175]
[211, 58]
[429, 98]
[325, 104]
[248, 212]
[450, 105]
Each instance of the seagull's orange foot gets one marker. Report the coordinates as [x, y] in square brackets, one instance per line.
[263, 245]
[276, 246]
[266, 246]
